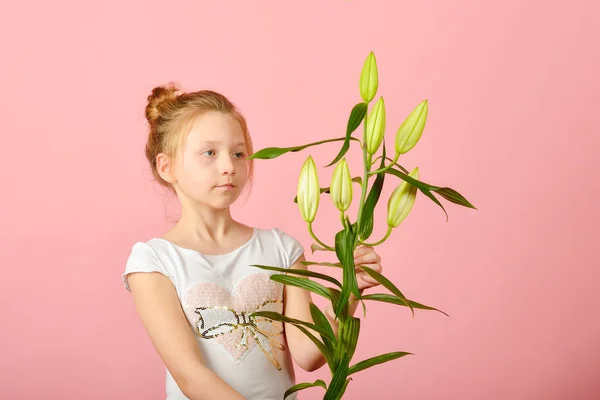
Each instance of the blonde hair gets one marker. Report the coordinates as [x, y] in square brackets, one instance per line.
[171, 113]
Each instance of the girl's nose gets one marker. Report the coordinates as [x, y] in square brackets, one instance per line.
[227, 165]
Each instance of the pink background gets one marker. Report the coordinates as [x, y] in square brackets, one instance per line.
[513, 125]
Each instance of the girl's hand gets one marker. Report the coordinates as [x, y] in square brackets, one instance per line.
[367, 256]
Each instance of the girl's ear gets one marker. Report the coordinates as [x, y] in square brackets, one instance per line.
[165, 167]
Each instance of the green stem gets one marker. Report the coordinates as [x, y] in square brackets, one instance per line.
[365, 183]
[395, 164]
[342, 215]
[387, 235]
[386, 167]
[310, 230]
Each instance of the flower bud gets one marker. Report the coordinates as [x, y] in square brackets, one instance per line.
[401, 201]
[341, 186]
[375, 127]
[411, 129]
[308, 190]
[369, 78]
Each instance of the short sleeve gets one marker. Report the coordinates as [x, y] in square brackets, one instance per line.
[291, 246]
[143, 258]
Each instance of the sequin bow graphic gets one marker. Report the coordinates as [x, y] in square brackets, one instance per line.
[215, 321]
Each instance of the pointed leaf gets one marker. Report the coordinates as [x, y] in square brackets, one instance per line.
[454, 197]
[301, 272]
[315, 247]
[448, 193]
[357, 179]
[348, 332]
[327, 264]
[327, 354]
[435, 200]
[366, 219]
[275, 316]
[395, 164]
[274, 152]
[338, 384]
[335, 297]
[302, 386]
[303, 283]
[356, 117]
[345, 387]
[387, 284]
[344, 249]
[321, 320]
[360, 366]
[425, 188]
[388, 298]
[410, 179]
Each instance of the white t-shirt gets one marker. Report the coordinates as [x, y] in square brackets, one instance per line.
[217, 293]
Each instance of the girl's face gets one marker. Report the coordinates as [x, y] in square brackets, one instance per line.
[214, 154]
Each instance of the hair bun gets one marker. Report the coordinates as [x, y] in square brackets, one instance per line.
[160, 99]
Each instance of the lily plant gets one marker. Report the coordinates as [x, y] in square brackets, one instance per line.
[338, 350]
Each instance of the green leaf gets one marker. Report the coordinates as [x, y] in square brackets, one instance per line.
[302, 386]
[435, 200]
[396, 164]
[327, 264]
[366, 219]
[274, 152]
[348, 332]
[300, 272]
[360, 366]
[275, 316]
[387, 284]
[327, 354]
[315, 247]
[357, 179]
[447, 193]
[410, 179]
[356, 117]
[321, 320]
[344, 249]
[335, 297]
[425, 188]
[303, 283]
[454, 197]
[388, 298]
[326, 190]
[338, 383]
[344, 388]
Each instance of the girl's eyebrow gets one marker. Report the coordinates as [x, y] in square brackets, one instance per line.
[217, 142]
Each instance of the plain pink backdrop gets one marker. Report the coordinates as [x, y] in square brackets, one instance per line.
[513, 125]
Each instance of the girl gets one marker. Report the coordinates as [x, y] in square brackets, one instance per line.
[194, 287]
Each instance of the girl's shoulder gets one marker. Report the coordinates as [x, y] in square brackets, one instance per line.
[291, 246]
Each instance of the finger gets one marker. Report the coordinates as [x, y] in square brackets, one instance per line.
[367, 278]
[367, 258]
[359, 251]
[377, 267]
[358, 267]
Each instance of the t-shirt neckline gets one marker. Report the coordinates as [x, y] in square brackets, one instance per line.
[239, 248]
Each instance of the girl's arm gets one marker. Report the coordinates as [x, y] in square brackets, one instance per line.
[157, 304]
[296, 305]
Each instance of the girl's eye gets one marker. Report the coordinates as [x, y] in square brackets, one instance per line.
[208, 151]
[241, 155]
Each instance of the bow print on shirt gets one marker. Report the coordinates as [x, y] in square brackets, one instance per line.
[219, 320]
